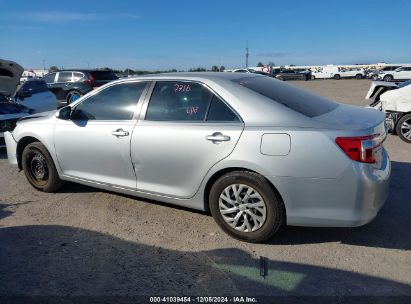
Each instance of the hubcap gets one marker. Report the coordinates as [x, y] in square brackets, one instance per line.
[242, 207]
[38, 167]
[406, 129]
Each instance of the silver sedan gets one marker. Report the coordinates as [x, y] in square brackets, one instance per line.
[256, 152]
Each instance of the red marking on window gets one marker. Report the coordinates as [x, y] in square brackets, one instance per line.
[182, 88]
[191, 110]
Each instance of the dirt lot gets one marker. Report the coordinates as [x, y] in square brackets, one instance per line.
[82, 241]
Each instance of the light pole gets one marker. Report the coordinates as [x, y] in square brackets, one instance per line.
[246, 55]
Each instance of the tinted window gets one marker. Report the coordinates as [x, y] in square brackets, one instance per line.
[64, 77]
[4, 72]
[49, 78]
[219, 111]
[77, 76]
[113, 103]
[103, 75]
[296, 99]
[178, 101]
[34, 86]
[404, 84]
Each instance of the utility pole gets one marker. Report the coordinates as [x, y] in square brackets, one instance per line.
[44, 64]
[246, 55]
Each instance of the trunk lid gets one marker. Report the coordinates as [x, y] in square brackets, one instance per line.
[379, 87]
[10, 73]
[352, 118]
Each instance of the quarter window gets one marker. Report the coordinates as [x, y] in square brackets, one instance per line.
[219, 111]
[178, 101]
[117, 102]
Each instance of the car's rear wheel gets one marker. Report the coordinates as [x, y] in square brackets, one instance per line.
[337, 77]
[245, 206]
[358, 76]
[38, 166]
[388, 78]
[403, 128]
[72, 96]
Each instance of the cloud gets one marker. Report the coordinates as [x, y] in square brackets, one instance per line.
[58, 17]
[273, 54]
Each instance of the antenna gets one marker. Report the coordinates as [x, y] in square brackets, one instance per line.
[246, 55]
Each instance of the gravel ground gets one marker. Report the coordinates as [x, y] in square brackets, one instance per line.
[83, 241]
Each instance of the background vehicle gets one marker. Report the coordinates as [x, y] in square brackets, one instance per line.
[33, 96]
[402, 73]
[244, 146]
[324, 72]
[36, 95]
[375, 73]
[291, 75]
[349, 73]
[395, 101]
[69, 85]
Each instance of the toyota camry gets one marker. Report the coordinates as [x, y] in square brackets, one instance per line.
[255, 152]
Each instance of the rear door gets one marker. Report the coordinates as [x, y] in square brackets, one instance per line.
[61, 85]
[185, 129]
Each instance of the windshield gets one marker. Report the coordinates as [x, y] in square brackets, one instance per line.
[296, 99]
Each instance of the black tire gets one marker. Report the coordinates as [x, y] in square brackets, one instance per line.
[358, 76]
[73, 96]
[337, 77]
[38, 166]
[275, 212]
[403, 128]
[312, 77]
[388, 78]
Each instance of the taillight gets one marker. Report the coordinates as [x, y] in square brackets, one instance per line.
[89, 81]
[361, 148]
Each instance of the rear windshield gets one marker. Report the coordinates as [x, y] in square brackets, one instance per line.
[296, 99]
[103, 75]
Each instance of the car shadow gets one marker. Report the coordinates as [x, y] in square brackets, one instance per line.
[388, 230]
[67, 261]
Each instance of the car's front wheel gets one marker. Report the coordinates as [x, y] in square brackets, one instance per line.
[246, 207]
[403, 128]
[388, 78]
[38, 166]
[337, 77]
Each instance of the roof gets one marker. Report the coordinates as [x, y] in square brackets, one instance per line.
[198, 75]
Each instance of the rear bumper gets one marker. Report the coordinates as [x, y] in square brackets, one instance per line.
[11, 148]
[352, 200]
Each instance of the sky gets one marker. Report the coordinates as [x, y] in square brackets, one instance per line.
[180, 34]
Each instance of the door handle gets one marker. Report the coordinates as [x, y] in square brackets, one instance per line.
[217, 137]
[120, 132]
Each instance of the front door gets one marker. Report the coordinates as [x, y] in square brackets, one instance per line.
[187, 129]
[95, 143]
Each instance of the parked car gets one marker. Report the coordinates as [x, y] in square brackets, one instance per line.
[32, 97]
[402, 73]
[349, 73]
[288, 74]
[374, 74]
[69, 85]
[395, 101]
[256, 152]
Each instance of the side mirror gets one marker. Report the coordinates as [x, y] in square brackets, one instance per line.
[64, 113]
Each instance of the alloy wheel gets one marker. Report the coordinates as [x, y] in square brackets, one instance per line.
[242, 208]
[406, 129]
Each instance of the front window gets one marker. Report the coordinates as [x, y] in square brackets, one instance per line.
[117, 102]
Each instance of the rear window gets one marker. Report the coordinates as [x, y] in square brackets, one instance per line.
[103, 75]
[296, 99]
